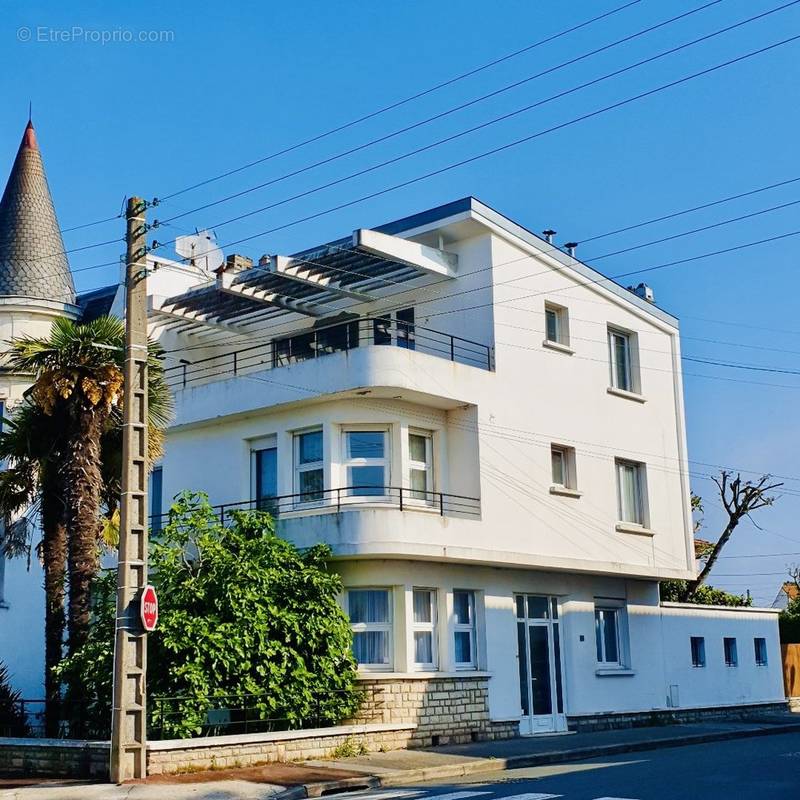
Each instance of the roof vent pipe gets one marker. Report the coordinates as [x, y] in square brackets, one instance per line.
[570, 246]
[548, 235]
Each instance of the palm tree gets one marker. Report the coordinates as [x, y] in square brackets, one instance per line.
[78, 382]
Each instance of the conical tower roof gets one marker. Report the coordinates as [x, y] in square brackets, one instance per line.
[32, 259]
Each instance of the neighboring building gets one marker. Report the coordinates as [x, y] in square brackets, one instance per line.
[789, 591]
[488, 434]
[35, 288]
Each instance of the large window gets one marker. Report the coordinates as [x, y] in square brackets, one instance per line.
[620, 349]
[465, 643]
[371, 621]
[631, 492]
[607, 636]
[308, 466]
[424, 628]
[265, 470]
[698, 648]
[420, 465]
[731, 654]
[760, 647]
[366, 462]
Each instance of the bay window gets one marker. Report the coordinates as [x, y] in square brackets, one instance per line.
[366, 462]
[424, 628]
[308, 466]
[371, 621]
[464, 630]
[420, 465]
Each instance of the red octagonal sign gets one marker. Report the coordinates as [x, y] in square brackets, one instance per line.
[148, 608]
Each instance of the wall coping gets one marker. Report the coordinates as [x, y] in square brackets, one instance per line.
[738, 609]
[7, 741]
[277, 736]
[781, 701]
[467, 674]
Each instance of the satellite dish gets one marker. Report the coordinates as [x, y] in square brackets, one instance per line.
[200, 250]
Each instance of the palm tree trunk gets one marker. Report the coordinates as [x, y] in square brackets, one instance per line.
[84, 486]
[54, 556]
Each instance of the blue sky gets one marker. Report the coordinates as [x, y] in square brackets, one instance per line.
[233, 82]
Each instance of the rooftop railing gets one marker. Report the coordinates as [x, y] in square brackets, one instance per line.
[327, 339]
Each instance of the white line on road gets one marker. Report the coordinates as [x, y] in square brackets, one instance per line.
[455, 795]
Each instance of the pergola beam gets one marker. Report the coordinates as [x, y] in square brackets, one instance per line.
[393, 248]
[302, 272]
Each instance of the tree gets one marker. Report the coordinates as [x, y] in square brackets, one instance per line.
[247, 614]
[739, 499]
[64, 452]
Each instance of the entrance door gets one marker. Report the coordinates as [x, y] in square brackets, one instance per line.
[539, 654]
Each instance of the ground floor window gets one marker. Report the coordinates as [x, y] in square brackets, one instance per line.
[607, 636]
[464, 636]
[371, 621]
[731, 656]
[698, 647]
[424, 628]
[760, 647]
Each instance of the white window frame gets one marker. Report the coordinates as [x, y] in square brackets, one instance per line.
[311, 466]
[365, 627]
[425, 627]
[561, 316]
[702, 658]
[629, 365]
[730, 653]
[761, 659]
[640, 487]
[567, 455]
[385, 462]
[463, 627]
[601, 613]
[420, 466]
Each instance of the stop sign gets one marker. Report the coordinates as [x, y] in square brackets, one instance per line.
[148, 608]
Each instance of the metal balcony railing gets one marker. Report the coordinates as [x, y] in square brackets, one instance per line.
[333, 501]
[327, 339]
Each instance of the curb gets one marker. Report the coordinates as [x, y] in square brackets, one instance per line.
[406, 776]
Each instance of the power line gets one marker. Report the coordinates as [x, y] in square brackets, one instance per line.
[468, 104]
[404, 101]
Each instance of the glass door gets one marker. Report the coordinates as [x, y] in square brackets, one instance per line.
[540, 670]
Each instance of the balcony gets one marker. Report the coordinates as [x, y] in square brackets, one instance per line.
[334, 337]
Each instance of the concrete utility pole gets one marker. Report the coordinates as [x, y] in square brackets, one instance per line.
[129, 716]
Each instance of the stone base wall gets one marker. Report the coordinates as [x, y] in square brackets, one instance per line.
[673, 716]
[54, 758]
[217, 752]
[794, 704]
[445, 710]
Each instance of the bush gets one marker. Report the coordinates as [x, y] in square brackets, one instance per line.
[789, 623]
[12, 715]
[675, 591]
[242, 612]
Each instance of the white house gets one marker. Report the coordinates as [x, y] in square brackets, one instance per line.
[490, 436]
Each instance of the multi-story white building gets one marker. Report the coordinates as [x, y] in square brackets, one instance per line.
[490, 436]
[487, 432]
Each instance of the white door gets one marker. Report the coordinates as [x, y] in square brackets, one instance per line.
[540, 667]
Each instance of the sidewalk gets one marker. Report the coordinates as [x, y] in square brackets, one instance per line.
[403, 767]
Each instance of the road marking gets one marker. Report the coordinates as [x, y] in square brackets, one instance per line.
[456, 795]
[613, 798]
[533, 796]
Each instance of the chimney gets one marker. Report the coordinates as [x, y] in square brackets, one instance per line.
[235, 263]
[264, 260]
[570, 246]
[644, 291]
[548, 235]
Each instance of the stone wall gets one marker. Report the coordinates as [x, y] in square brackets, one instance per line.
[445, 710]
[674, 716]
[212, 752]
[54, 757]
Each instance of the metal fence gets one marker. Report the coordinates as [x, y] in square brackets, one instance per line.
[326, 339]
[330, 501]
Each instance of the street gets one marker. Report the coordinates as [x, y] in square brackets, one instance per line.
[763, 768]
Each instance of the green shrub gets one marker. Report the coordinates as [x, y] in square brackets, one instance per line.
[12, 716]
[674, 591]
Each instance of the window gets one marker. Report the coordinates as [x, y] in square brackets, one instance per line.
[556, 324]
[760, 647]
[156, 499]
[424, 628]
[698, 645]
[308, 471]
[464, 638]
[326, 338]
[265, 471]
[620, 351]
[630, 492]
[420, 465]
[607, 636]
[370, 619]
[562, 462]
[365, 454]
[731, 656]
[405, 328]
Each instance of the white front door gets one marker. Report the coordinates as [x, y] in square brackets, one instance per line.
[540, 668]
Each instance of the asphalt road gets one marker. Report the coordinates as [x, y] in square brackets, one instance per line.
[764, 768]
